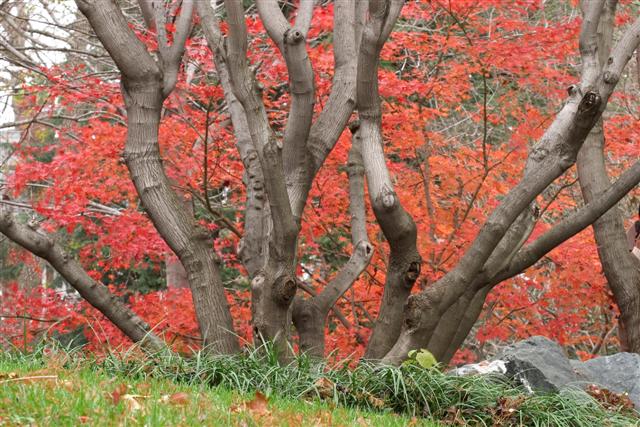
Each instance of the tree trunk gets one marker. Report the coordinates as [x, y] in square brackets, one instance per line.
[396, 223]
[621, 268]
[189, 242]
[176, 275]
[310, 315]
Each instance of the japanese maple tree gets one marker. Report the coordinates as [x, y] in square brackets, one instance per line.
[458, 182]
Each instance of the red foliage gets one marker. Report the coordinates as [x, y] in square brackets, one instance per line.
[28, 315]
[467, 85]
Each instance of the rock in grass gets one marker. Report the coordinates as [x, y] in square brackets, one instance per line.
[619, 373]
[482, 368]
[538, 363]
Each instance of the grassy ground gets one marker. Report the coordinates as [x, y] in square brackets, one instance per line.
[58, 388]
[56, 393]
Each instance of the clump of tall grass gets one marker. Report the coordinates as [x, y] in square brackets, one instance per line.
[411, 390]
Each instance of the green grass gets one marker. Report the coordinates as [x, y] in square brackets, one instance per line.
[63, 391]
[170, 390]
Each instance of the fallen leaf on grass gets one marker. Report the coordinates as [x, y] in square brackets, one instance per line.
[56, 361]
[610, 400]
[10, 375]
[375, 401]
[362, 421]
[67, 385]
[144, 388]
[131, 402]
[257, 406]
[179, 399]
[453, 416]
[117, 394]
[506, 411]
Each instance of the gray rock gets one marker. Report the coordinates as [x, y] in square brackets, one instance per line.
[483, 368]
[619, 373]
[539, 364]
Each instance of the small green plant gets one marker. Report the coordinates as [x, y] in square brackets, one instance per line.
[422, 357]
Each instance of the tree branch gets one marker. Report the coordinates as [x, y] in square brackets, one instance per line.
[292, 44]
[309, 316]
[172, 56]
[573, 224]
[95, 293]
[396, 223]
[143, 93]
[348, 18]
[285, 228]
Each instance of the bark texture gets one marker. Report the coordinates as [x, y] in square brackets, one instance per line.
[597, 15]
[397, 225]
[274, 286]
[621, 268]
[288, 166]
[279, 172]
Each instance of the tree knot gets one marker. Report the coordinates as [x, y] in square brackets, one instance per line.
[258, 282]
[610, 78]
[6, 219]
[354, 126]
[414, 307]
[364, 249]
[589, 104]
[387, 197]
[573, 90]
[412, 273]
[285, 289]
[293, 36]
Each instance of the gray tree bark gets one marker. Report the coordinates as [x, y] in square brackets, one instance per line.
[555, 153]
[621, 268]
[309, 315]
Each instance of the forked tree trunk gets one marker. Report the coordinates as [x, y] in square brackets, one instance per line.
[621, 268]
[145, 83]
[190, 243]
[439, 316]
[274, 286]
[455, 324]
[396, 223]
[310, 315]
[555, 153]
